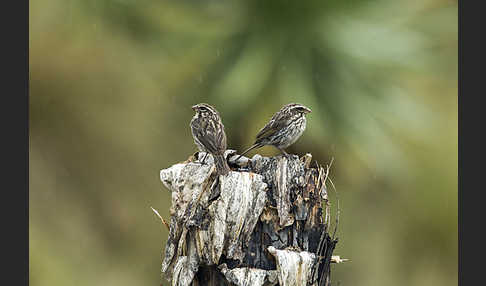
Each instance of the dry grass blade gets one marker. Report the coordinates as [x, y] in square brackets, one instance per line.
[161, 218]
[328, 168]
[338, 259]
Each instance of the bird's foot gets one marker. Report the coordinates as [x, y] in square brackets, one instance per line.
[290, 156]
[287, 155]
[203, 161]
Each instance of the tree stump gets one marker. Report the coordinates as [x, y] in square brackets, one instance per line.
[265, 223]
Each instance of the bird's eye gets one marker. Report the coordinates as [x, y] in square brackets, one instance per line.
[302, 109]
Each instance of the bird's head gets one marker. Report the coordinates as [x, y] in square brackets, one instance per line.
[298, 108]
[205, 109]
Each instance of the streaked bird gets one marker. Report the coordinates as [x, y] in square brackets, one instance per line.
[283, 129]
[209, 136]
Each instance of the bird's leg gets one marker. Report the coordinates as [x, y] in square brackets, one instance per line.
[204, 158]
[283, 152]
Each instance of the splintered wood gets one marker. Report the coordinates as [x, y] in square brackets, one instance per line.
[262, 224]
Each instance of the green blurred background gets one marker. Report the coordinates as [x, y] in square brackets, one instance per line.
[112, 82]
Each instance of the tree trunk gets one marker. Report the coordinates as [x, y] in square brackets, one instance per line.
[265, 223]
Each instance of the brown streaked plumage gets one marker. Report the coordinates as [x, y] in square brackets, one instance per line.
[283, 129]
[209, 136]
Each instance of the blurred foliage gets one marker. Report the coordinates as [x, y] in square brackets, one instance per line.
[112, 82]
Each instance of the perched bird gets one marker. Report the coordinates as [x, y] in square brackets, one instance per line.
[208, 133]
[283, 129]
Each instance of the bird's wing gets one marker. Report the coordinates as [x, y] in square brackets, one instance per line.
[276, 123]
[211, 135]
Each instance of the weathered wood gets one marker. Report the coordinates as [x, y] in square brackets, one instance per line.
[265, 223]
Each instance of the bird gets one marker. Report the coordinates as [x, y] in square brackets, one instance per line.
[283, 129]
[209, 136]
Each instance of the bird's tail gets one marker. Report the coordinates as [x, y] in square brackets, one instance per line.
[256, 145]
[222, 167]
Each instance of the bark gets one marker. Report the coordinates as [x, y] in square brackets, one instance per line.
[265, 223]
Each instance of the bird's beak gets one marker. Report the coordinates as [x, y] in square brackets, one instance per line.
[194, 107]
[307, 110]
